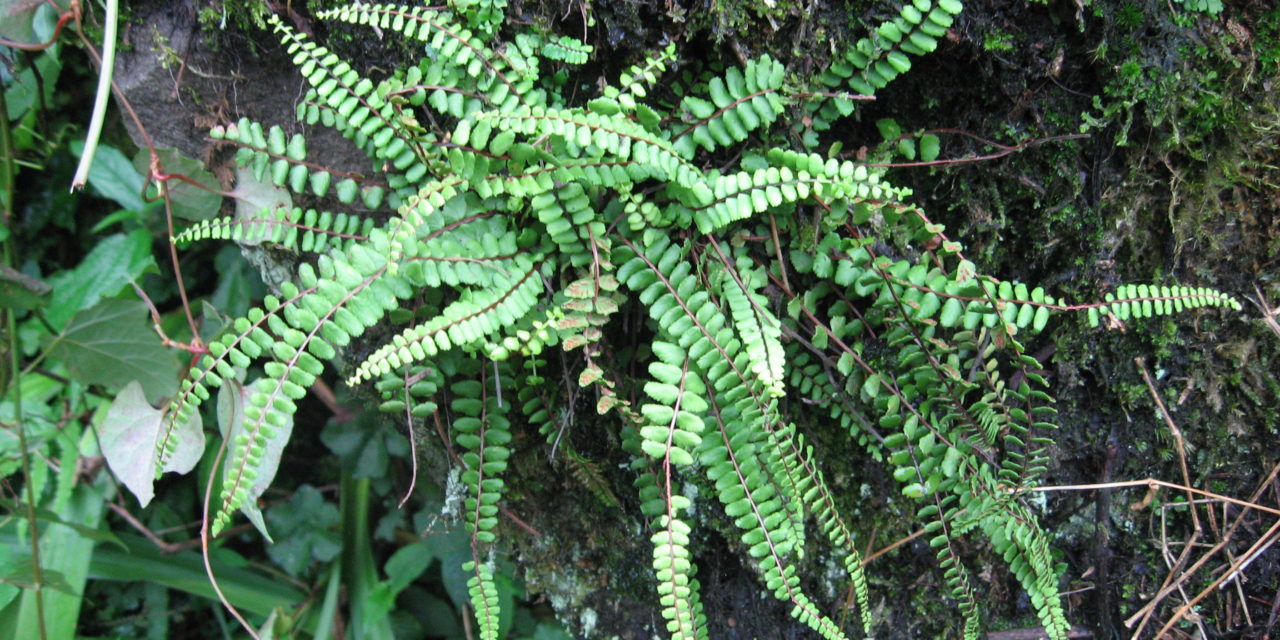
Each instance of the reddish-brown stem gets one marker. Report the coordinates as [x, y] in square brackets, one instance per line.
[72, 12]
[155, 169]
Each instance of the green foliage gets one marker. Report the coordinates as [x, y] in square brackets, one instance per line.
[1211, 7]
[518, 221]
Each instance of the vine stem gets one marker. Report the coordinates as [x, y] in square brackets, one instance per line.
[103, 96]
[63, 18]
[155, 171]
[204, 545]
[413, 441]
[15, 383]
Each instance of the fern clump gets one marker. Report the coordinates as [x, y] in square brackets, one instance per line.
[519, 222]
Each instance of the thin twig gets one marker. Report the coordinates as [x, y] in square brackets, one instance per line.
[1149, 482]
[867, 560]
[169, 548]
[413, 444]
[204, 546]
[1175, 576]
[1257, 548]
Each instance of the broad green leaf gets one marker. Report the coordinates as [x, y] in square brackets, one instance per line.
[212, 321]
[306, 525]
[20, 94]
[246, 588]
[20, 291]
[67, 553]
[115, 262]
[15, 568]
[364, 444]
[238, 282]
[113, 177]
[7, 593]
[453, 547]
[47, 517]
[406, 564]
[129, 434]
[189, 201]
[111, 344]
[18, 21]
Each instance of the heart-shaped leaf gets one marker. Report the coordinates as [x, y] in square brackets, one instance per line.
[111, 343]
[128, 435]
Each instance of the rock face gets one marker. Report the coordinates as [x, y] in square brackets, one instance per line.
[1063, 214]
[183, 78]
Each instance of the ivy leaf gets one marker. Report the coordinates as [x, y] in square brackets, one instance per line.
[307, 526]
[364, 444]
[115, 262]
[110, 344]
[189, 201]
[128, 435]
[16, 19]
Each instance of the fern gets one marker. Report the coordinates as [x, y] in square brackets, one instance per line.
[503, 221]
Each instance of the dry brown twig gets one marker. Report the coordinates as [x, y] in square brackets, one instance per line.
[1269, 315]
[1233, 571]
[1174, 578]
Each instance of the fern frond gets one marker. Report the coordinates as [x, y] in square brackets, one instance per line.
[635, 82]
[502, 77]
[743, 100]
[875, 61]
[362, 106]
[354, 282]
[293, 228]
[594, 134]
[567, 50]
[1146, 301]
[521, 223]
[286, 161]
[741, 195]
[465, 322]
[759, 329]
